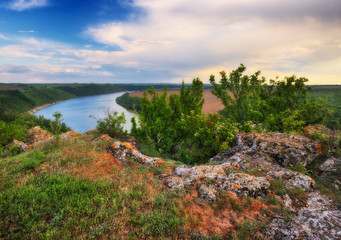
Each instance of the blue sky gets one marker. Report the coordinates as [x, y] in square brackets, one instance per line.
[127, 41]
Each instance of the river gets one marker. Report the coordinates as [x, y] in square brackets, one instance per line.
[76, 111]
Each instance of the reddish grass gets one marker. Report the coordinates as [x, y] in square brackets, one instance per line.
[102, 166]
[208, 220]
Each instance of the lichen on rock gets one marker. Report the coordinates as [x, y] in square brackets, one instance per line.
[37, 134]
[125, 150]
[331, 165]
[316, 221]
[244, 184]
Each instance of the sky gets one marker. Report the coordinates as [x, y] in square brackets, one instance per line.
[167, 41]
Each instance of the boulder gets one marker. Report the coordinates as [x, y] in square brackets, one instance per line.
[104, 137]
[125, 150]
[331, 165]
[69, 134]
[16, 146]
[293, 179]
[37, 134]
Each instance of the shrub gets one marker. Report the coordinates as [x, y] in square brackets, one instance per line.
[177, 122]
[112, 125]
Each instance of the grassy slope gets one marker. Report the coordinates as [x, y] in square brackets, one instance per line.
[72, 188]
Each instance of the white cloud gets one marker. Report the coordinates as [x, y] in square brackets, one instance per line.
[21, 5]
[189, 37]
[175, 40]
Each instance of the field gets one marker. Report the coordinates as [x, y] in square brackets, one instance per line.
[212, 103]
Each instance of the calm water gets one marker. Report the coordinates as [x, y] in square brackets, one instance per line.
[76, 111]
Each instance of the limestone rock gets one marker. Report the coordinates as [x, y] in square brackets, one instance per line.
[133, 141]
[174, 182]
[316, 221]
[293, 179]
[104, 137]
[244, 184]
[125, 150]
[282, 148]
[331, 165]
[69, 134]
[208, 193]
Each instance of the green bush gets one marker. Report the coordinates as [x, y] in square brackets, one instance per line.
[112, 125]
[176, 125]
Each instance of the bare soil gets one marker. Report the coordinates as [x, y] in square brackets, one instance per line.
[212, 103]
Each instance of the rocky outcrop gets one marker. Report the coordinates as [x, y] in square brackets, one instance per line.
[219, 179]
[90, 132]
[242, 170]
[281, 148]
[133, 141]
[318, 220]
[248, 169]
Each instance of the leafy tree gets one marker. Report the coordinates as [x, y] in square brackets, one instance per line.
[56, 125]
[240, 94]
[281, 106]
[289, 109]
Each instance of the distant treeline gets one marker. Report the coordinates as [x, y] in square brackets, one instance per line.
[22, 97]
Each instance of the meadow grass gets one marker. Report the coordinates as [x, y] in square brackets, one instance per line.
[61, 191]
